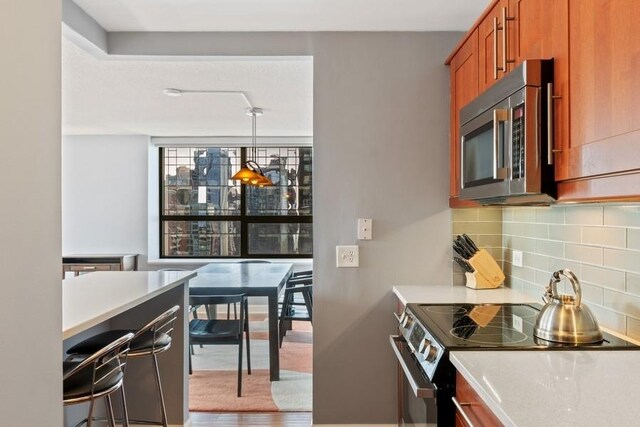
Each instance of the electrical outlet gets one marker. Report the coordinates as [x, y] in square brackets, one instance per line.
[516, 258]
[365, 229]
[347, 256]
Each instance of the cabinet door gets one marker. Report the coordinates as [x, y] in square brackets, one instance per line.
[604, 40]
[473, 406]
[464, 88]
[531, 30]
[491, 50]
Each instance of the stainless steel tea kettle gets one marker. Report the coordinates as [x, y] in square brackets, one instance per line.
[564, 318]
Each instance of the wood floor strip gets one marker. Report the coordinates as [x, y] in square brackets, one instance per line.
[247, 419]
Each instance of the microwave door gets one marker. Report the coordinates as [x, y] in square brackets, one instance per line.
[483, 155]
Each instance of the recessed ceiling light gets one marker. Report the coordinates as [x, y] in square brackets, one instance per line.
[172, 92]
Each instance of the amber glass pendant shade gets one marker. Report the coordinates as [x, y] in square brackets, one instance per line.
[263, 182]
[246, 175]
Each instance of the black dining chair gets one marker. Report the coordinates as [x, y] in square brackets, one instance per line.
[222, 331]
[297, 285]
[97, 375]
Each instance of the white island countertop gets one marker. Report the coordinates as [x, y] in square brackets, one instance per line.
[92, 298]
[555, 388]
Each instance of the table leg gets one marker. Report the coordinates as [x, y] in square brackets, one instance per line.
[274, 348]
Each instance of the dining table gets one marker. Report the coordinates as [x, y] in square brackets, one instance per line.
[253, 280]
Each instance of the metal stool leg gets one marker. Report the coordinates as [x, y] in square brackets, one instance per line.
[110, 417]
[125, 413]
[160, 394]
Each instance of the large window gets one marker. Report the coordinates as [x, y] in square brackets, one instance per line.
[205, 214]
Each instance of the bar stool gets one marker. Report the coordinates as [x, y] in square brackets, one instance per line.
[150, 340]
[98, 375]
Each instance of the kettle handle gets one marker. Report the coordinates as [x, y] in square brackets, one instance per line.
[552, 290]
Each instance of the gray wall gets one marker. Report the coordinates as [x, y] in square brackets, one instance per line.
[31, 349]
[104, 194]
[381, 151]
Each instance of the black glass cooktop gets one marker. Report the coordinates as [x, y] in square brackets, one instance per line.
[494, 326]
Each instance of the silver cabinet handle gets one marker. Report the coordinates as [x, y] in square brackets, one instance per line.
[459, 407]
[499, 115]
[89, 268]
[549, 123]
[505, 46]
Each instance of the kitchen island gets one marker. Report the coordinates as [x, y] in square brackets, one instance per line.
[99, 301]
[541, 387]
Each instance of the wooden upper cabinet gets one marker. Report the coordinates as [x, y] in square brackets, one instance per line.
[604, 37]
[595, 45]
[540, 30]
[493, 45]
[531, 29]
[464, 88]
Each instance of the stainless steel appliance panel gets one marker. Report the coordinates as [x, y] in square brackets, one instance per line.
[506, 142]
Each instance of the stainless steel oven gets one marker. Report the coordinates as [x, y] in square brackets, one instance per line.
[429, 332]
[506, 137]
[416, 394]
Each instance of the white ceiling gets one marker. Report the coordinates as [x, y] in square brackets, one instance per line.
[122, 97]
[103, 95]
[284, 15]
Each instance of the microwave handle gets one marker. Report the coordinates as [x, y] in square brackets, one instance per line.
[499, 115]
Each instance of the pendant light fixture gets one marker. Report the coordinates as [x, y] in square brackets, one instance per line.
[251, 173]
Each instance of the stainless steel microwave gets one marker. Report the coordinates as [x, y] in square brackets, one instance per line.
[506, 138]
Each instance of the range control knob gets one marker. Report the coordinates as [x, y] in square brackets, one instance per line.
[407, 322]
[402, 317]
[423, 345]
[430, 354]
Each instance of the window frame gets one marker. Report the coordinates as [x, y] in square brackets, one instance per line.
[244, 219]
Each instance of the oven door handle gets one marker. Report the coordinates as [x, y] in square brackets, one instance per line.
[420, 387]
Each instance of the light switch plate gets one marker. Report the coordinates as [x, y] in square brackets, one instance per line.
[365, 229]
[347, 256]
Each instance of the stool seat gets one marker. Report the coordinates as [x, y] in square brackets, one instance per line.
[151, 339]
[98, 375]
[79, 385]
[143, 344]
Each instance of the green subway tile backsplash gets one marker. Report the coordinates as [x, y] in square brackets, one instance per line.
[600, 243]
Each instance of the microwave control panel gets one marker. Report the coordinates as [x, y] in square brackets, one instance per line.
[517, 142]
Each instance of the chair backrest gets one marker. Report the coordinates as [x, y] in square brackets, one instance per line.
[105, 362]
[162, 324]
[195, 300]
[216, 299]
[304, 273]
[303, 280]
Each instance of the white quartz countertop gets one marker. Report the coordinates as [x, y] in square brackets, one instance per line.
[558, 388]
[90, 299]
[444, 294]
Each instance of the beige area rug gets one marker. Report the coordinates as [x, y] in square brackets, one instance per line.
[212, 386]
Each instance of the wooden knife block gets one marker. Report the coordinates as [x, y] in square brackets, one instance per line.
[487, 274]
